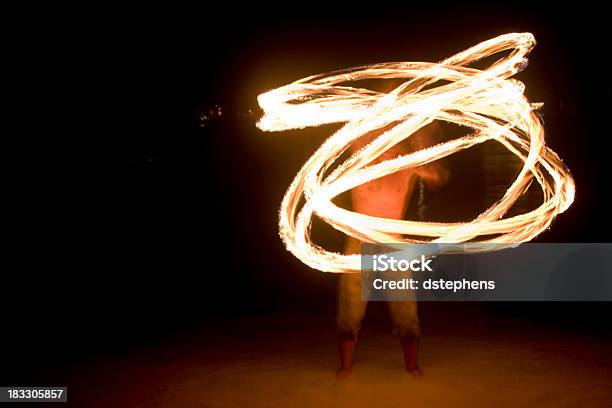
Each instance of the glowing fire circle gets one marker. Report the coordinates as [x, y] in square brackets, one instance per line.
[486, 100]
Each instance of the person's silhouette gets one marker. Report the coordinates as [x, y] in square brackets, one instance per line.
[386, 197]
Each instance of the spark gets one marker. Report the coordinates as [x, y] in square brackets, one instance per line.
[486, 100]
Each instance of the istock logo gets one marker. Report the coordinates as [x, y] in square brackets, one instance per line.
[382, 263]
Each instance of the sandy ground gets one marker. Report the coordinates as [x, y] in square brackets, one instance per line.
[289, 361]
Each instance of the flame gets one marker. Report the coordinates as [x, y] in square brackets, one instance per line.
[487, 100]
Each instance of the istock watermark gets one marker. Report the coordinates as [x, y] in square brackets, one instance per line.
[384, 263]
[472, 272]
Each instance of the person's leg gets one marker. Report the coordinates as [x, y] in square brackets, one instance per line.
[407, 328]
[386, 197]
[346, 350]
[350, 310]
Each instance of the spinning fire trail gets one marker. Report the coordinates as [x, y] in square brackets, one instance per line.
[488, 101]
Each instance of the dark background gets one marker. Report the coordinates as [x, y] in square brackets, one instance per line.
[139, 219]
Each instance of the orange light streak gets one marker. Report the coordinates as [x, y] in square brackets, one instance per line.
[488, 101]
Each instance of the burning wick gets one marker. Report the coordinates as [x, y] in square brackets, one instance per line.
[488, 101]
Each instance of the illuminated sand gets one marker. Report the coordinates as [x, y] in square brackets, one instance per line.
[469, 360]
[487, 101]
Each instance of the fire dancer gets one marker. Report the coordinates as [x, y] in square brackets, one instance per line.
[386, 197]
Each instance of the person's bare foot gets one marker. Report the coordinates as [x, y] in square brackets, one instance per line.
[341, 374]
[415, 371]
